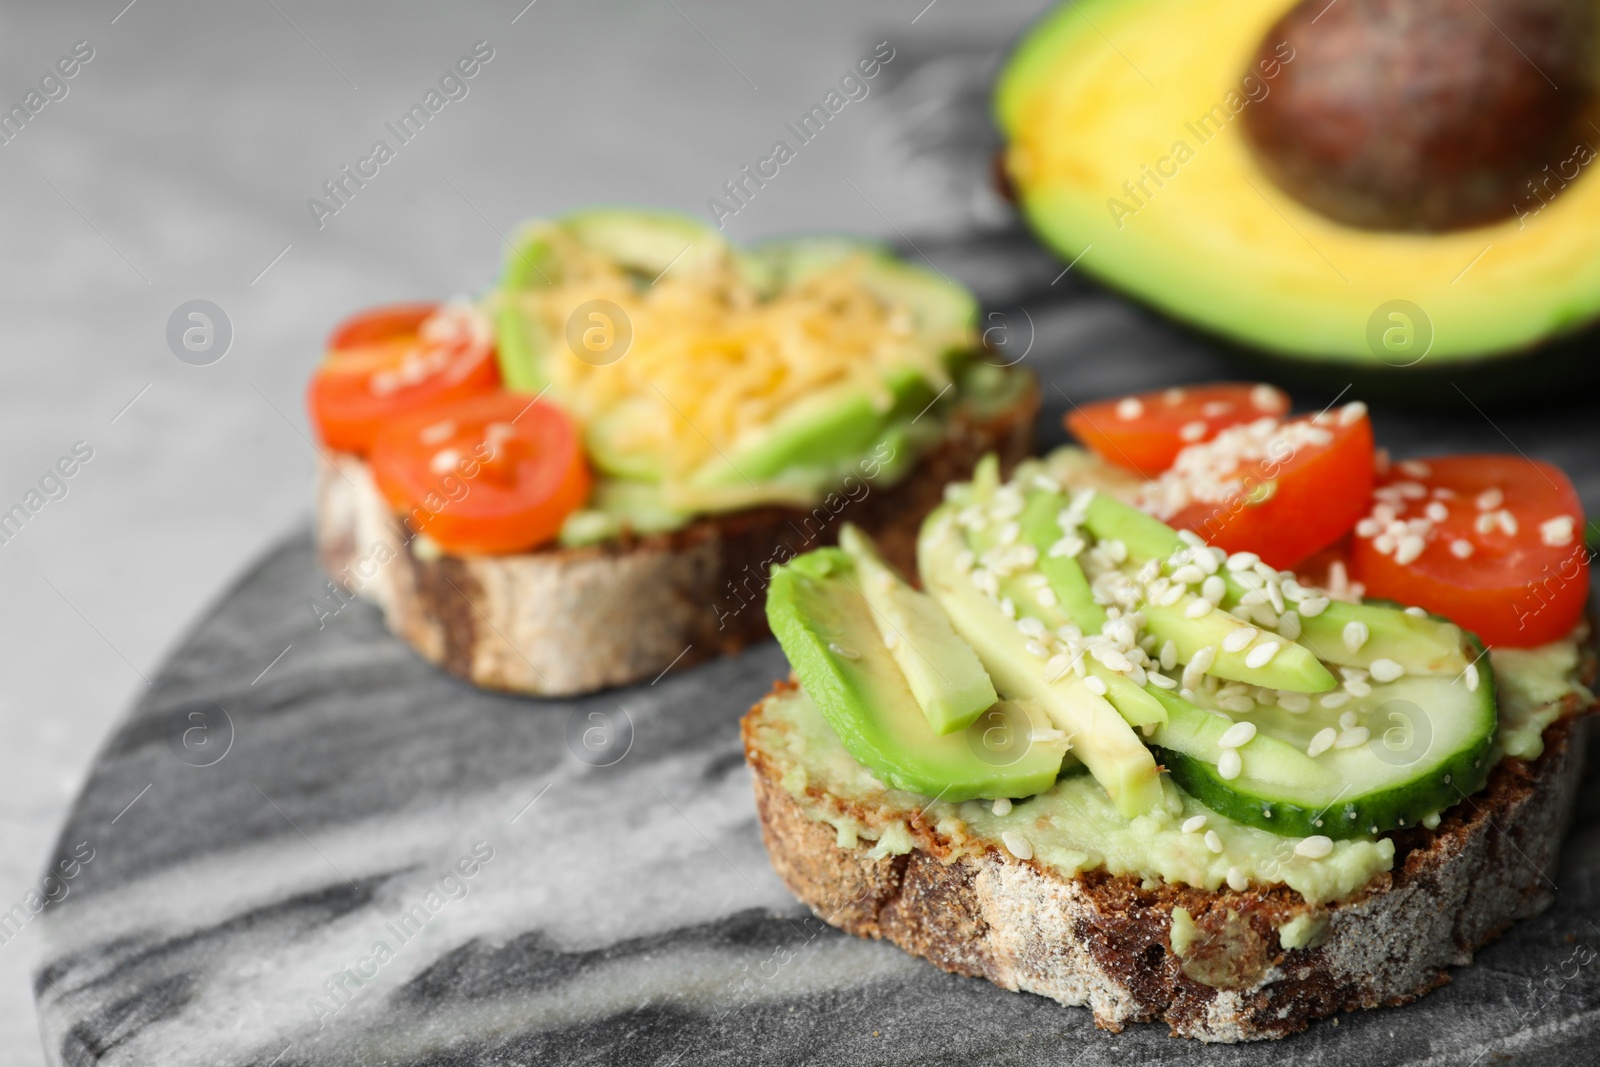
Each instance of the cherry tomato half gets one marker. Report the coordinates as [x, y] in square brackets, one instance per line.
[489, 474]
[1492, 542]
[1298, 490]
[1145, 433]
[390, 361]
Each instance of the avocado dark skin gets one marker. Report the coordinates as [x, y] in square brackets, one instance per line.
[1428, 115]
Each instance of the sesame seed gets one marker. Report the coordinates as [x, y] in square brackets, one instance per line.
[444, 461]
[1193, 431]
[1001, 806]
[1238, 734]
[1214, 589]
[1129, 408]
[1171, 595]
[1194, 824]
[1189, 574]
[1172, 396]
[1507, 521]
[1017, 845]
[1354, 737]
[1417, 613]
[1009, 533]
[1295, 703]
[1229, 764]
[1169, 656]
[1461, 549]
[1266, 398]
[1368, 527]
[1358, 688]
[1314, 847]
[1355, 635]
[1352, 412]
[1416, 468]
[1032, 627]
[1322, 741]
[1386, 670]
[1261, 655]
[1557, 531]
[1046, 597]
[891, 640]
[1213, 842]
[1239, 639]
[1036, 649]
[1095, 686]
[1243, 561]
[1008, 608]
[840, 650]
[1313, 606]
[1490, 499]
[1347, 720]
[1238, 704]
[1471, 674]
[1159, 680]
[438, 433]
[1436, 511]
[1237, 881]
[1057, 666]
[1335, 699]
[1202, 660]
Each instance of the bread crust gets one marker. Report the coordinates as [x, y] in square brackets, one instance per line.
[563, 621]
[1104, 941]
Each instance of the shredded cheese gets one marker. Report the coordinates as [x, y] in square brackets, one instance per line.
[712, 359]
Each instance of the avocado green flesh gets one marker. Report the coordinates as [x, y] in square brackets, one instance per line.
[1137, 153]
[1422, 644]
[943, 671]
[795, 459]
[825, 627]
[1105, 743]
[1294, 668]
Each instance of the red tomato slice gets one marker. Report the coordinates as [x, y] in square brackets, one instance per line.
[1492, 542]
[389, 361]
[494, 473]
[1145, 433]
[1283, 492]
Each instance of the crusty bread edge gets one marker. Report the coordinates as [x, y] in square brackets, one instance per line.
[1105, 942]
[563, 621]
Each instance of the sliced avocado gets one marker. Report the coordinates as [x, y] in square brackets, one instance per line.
[1041, 528]
[1422, 644]
[1146, 538]
[1100, 737]
[943, 671]
[828, 427]
[1165, 195]
[825, 628]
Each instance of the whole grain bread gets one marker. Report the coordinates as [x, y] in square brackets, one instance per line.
[561, 621]
[1105, 941]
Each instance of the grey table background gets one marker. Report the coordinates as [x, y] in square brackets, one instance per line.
[178, 167]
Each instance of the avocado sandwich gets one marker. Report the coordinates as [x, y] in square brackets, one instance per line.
[582, 477]
[1084, 752]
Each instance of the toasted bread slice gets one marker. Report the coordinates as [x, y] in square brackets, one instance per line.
[560, 621]
[1107, 941]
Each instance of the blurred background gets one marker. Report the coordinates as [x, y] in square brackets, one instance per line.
[178, 166]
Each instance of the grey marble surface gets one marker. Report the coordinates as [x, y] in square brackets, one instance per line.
[622, 914]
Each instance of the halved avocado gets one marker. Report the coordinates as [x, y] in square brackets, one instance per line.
[1126, 124]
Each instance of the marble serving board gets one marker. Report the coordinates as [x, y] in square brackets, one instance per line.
[307, 846]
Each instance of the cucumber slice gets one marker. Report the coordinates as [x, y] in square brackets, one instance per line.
[1428, 749]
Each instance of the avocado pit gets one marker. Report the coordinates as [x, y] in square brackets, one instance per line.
[1428, 115]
